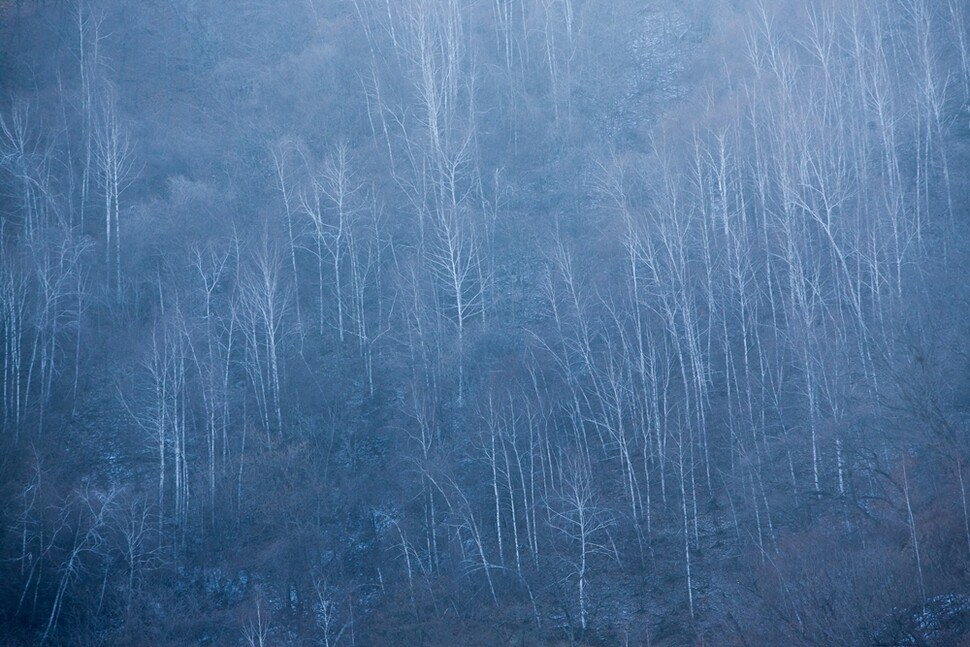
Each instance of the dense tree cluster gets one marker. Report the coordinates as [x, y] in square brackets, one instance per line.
[508, 322]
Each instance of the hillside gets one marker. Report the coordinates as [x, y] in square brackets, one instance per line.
[439, 322]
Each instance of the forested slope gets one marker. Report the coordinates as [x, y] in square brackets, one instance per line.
[512, 322]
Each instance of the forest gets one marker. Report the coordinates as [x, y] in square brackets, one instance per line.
[484, 322]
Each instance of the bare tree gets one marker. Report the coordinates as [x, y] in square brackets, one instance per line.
[333, 207]
[212, 265]
[84, 520]
[284, 183]
[14, 291]
[264, 300]
[256, 631]
[28, 159]
[586, 525]
[136, 541]
[115, 155]
[57, 270]
[89, 31]
[328, 613]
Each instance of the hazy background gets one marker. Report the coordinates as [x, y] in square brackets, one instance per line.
[484, 322]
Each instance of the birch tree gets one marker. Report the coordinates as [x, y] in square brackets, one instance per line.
[115, 156]
[586, 525]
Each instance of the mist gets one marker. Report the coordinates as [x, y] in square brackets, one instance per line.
[504, 322]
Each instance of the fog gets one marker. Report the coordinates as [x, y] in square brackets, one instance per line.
[504, 322]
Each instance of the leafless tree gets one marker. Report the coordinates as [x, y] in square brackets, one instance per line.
[115, 156]
[264, 300]
[586, 524]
